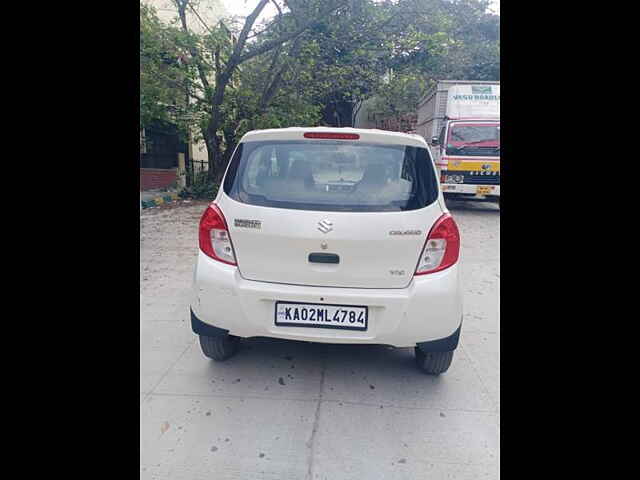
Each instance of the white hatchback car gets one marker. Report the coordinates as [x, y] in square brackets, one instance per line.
[330, 235]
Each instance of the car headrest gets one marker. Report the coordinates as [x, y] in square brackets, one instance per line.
[300, 169]
[374, 174]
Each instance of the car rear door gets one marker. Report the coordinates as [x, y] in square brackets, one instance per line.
[347, 211]
[333, 249]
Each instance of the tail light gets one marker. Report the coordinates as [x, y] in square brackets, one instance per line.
[442, 248]
[215, 241]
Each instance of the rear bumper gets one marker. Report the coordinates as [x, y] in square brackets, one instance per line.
[470, 189]
[446, 344]
[430, 308]
[201, 328]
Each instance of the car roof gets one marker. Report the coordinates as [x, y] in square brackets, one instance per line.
[368, 135]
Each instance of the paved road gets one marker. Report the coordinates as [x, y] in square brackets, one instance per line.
[287, 410]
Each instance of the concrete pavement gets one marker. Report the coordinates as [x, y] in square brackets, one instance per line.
[296, 410]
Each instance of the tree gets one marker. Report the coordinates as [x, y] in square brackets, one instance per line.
[217, 58]
[442, 39]
[310, 64]
[455, 39]
[353, 47]
[161, 78]
[361, 43]
[399, 96]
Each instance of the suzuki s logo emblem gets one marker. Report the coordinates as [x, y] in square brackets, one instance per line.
[486, 166]
[325, 226]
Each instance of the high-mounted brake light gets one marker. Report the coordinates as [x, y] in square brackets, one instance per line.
[442, 248]
[215, 241]
[331, 135]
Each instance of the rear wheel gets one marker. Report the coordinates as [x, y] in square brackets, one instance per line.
[220, 347]
[433, 363]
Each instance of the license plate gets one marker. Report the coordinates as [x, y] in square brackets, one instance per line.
[346, 317]
[483, 190]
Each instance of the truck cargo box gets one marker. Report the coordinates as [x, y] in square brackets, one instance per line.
[432, 109]
[473, 101]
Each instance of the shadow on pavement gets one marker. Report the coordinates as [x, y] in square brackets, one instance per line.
[343, 359]
[466, 206]
[369, 374]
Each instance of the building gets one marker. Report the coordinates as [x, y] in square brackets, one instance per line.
[164, 156]
[161, 155]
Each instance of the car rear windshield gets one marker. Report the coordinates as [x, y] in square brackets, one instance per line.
[331, 176]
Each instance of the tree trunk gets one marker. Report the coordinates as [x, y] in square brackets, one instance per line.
[212, 162]
[230, 142]
[345, 113]
[213, 151]
[338, 114]
[226, 156]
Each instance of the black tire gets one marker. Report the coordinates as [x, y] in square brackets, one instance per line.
[433, 363]
[219, 348]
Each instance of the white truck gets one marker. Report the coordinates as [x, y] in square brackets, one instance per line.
[461, 121]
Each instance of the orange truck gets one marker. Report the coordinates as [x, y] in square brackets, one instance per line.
[461, 121]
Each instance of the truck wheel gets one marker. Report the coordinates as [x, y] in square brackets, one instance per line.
[220, 347]
[433, 363]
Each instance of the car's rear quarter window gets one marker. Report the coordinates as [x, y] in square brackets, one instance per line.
[331, 176]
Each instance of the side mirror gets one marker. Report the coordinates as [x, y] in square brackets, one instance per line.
[435, 141]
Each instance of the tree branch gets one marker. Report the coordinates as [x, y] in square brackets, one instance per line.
[271, 44]
[242, 38]
[271, 89]
[293, 14]
[177, 84]
[216, 56]
[182, 7]
[277, 8]
[199, 18]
